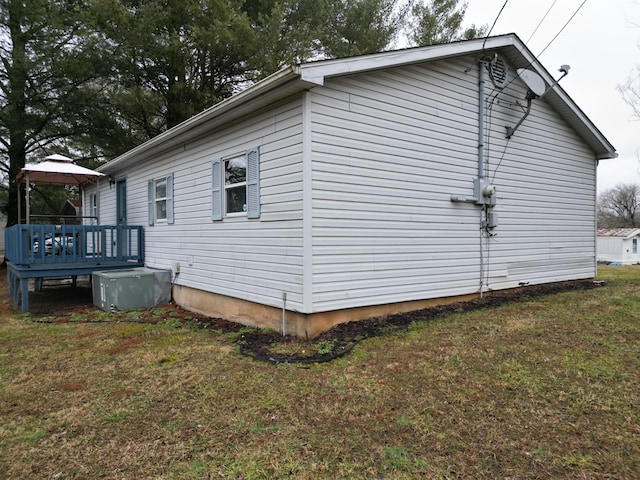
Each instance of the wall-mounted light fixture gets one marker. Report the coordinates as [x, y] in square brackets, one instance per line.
[112, 181]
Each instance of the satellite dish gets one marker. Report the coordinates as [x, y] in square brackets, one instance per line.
[537, 89]
[534, 82]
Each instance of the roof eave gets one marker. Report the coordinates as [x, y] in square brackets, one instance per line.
[295, 79]
[521, 57]
[260, 94]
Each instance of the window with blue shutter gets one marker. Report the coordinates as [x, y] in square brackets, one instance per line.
[235, 185]
[253, 183]
[169, 198]
[150, 202]
[216, 190]
[93, 208]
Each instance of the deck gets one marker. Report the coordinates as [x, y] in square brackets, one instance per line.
[46, 251]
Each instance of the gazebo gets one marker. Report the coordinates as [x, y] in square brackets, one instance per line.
[54, 170]
[46, 250]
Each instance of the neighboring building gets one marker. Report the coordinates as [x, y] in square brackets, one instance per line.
[342, 189]
[619, 245]
[72, 211]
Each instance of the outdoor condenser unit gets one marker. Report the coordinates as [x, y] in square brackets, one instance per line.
[132, 288]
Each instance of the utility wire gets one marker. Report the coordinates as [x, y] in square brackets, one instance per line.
[562, 29]
[543, 50]
[541, 21]
[494, 22]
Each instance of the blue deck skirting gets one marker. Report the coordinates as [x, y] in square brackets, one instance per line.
[45, 251]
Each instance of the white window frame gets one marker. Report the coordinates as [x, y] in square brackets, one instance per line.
[233, 186]
[157, 201]
[251, 185]
[93, 209]
[154, 201]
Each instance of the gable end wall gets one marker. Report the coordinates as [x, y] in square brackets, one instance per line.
[391, 147]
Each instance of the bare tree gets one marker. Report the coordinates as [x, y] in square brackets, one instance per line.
[630, 92]
[619, 207]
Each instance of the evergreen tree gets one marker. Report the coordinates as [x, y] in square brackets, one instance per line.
[440, 21]
[48, 63]
[94, 78]
[356, 27]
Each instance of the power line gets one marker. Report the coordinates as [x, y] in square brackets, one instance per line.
[562, 29]
[494, 22]
[543, 18]
[496, 168]
[543, 50]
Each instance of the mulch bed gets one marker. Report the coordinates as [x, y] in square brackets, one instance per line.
[59, 303]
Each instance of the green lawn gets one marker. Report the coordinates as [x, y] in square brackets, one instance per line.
[540, 388]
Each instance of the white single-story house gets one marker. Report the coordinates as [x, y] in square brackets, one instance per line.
[618, 245]
[342, 189]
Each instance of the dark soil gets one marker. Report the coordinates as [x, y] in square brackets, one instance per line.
[63, 303]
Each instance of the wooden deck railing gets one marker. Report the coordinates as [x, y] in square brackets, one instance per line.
[64, 244]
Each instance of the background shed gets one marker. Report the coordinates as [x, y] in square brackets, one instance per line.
[619, 245]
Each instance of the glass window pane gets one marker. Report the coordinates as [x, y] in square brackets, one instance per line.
[161, 210]
[235, 170]
[161, 189]
[237, 199]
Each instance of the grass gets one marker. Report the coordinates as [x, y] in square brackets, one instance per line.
[547, 387]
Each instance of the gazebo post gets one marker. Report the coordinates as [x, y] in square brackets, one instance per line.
[27, 195]
[19, 204]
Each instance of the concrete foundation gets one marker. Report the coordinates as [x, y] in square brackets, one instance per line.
[298, 324]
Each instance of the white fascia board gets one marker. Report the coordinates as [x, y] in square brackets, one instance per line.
[566, 107]
[305, 76]
[177, 134]
[316, 72]
[514, 49]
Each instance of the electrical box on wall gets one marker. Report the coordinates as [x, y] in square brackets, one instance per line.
[132, 288]
[484, 192]
[492, 219]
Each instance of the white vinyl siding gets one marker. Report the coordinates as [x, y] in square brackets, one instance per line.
[105, 210]
[351, 197]
[252, 260]
[389, 150]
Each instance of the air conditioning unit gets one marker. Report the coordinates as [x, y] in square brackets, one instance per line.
[130, 289]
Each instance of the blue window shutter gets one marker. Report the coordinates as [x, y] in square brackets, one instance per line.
[170, 198]
[150, 198]
[253, 183]
[216, 189]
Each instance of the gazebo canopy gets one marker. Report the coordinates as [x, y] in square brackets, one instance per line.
[54, 170]
[57, 170]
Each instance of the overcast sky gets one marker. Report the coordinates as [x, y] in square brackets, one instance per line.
[601, 46]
